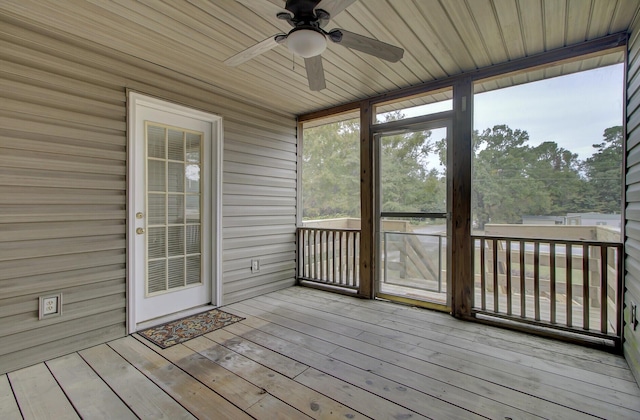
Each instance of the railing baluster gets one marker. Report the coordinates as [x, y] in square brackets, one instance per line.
[324, 254]
[312, 254]
[604, 289]
[340, 278]
[356, 268]
[334, 277]
[483, 275]
[350, 252]
[536, 279]
[301, 254]
[619, 292]
[316, 254]
[569, 285]
[552, 279]
[508, 273]
[523, 283]
[585, 287]
[494, 249]
[474, 262]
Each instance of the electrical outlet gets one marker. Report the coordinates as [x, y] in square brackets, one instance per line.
[255, 265]
[50, 306]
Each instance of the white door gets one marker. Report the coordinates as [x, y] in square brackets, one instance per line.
[174, 207]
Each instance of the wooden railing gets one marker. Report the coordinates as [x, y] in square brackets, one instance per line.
[329, 257]
[574, 286]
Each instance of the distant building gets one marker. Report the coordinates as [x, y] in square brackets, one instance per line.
[594, 219]
[576, 219]
[544, 220]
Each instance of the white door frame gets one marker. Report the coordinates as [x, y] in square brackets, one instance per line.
[134, 101]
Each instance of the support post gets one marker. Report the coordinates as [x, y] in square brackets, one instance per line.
[367, 204]
[460, 198]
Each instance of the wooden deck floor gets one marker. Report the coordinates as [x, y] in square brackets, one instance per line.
[306, 353]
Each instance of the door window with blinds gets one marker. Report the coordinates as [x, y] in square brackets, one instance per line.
[174, 202]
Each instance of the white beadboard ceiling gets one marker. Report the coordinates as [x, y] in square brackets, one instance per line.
[441, 38]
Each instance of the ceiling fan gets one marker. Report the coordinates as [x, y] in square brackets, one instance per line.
[308, 38]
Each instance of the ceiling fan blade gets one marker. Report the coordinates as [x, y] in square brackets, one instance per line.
[315, 73]
[253, 51]
[366, 45]
[334, 7]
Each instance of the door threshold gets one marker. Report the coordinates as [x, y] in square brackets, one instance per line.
[414, 302]
[173, 317]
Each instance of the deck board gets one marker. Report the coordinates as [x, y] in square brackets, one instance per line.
[457, 385]
[38, 394]
[611, 377]
[8, 404]
[141, 395]
[305, 353]
[444, 329]
[92, 398]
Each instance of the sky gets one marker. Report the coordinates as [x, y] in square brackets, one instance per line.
[572, 110]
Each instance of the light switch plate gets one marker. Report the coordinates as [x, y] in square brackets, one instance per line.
[50, 306]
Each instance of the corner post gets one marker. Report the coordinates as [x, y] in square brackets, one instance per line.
[367, 204]
[461, 248]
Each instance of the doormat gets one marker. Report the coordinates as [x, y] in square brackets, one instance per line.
[176, 332]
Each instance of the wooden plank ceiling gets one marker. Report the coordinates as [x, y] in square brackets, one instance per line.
[440, 37]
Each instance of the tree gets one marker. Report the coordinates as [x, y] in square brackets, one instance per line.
[558, 170]
[331, 170]
[604, 172]
[503, 190]
[409, 181]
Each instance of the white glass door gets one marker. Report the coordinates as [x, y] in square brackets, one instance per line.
[174, 198]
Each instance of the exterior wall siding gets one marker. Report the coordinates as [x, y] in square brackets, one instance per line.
[631, 344]
[63, 189]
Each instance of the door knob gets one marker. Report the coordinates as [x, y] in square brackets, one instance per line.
[140, 231]
[139, 215]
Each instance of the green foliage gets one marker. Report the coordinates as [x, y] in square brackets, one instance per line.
[410, 182]
[331, 170]
[510, 177]
[604, 172]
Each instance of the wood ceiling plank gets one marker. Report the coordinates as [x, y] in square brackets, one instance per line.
[598, 22]
[435, 15]
[190, 39]
[554, 12]
[625, 13]
[531, 21]
[485, 19]
[376, 70]
[507, 13]
[89, 22]
[463, 22]
[432, 41]
[391, 29]
[578, 14]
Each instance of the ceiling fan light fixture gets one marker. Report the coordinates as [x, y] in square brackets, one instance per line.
[306, 43]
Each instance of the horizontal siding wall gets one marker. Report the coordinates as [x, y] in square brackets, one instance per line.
[632, 240]
[63, 191]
